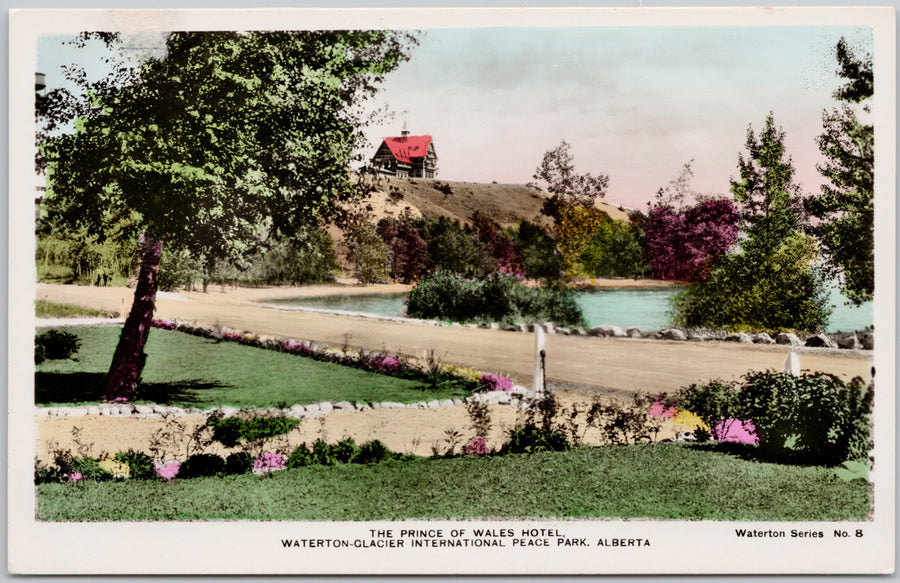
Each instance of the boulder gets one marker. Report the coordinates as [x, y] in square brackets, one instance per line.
[867, 340]
[820, 341]
[635, 332]
[848, 342]
[344, 406]
[784, 338]
[672, 334]
[549, 328]
[326, 407]
[762, 338]
[741, 337]
[608, 330]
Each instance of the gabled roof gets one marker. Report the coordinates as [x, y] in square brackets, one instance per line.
[407, 147]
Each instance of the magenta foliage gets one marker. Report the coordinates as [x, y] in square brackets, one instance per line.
[682, 244]
[477, 447]
[74, 477]
[234, 336]
[408, 248]
[386, 363]
[504, 251]
[660, 409]
[162, 324]
[492, 382]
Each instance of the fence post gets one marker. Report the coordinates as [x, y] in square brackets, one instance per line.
[792, 364]
[538, 384]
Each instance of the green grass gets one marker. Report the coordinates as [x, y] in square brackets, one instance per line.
[672, 481]
[44, 309]
[190, 371]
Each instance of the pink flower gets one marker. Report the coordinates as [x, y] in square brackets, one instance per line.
[736, 431]
[267, 463]
[492, 382]
[386, 363]
[659, 409]
[167, 471]
[476, 447]
[75, 477]
[295, 347]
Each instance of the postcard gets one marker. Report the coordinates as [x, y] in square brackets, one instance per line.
[452, 291]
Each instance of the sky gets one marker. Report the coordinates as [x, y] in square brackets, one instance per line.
[635, 103]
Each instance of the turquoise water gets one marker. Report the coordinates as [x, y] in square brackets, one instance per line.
[644, 308]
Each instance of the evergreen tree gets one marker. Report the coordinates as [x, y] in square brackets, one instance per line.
[845, 206]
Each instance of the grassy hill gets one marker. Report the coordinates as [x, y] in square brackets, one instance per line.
[504, 203]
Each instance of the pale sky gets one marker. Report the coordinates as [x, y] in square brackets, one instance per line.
[635, 103]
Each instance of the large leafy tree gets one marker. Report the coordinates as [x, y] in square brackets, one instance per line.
[228, 140]
[845, 206]
[770, 284]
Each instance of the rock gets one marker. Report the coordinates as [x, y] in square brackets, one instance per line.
[514, 402]
[433, 404]
[326, 407]
[787, 339]
[762, 338]
[143, 410]
[634, 332]
[445, 403]
[549, 328]
[344, 406]
[742, 337]
[848, 342]
[313, 409]
[672, 334]
[458, 402]
[231, 411]
[608, 330]
[867, 340]
[820, 341]
[698, 335]
[297, 411]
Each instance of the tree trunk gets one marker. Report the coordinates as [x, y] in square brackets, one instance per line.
[125, 370]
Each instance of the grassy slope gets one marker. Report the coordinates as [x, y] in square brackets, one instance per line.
[190, 371]
[659, 481]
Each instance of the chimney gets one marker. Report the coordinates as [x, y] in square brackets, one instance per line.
[404, 132]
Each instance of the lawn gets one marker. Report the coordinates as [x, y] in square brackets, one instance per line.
[665, 481]
[191, 371]
[44, 309]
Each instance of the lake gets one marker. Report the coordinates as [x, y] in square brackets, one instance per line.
[642, 307]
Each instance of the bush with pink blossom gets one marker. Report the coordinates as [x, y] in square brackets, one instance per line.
[492, 382]
[267, 463]
[167, 470]
[476, 447]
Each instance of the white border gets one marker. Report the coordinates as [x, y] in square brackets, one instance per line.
[249, 547]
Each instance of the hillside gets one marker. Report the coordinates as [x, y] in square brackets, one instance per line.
[504, 203]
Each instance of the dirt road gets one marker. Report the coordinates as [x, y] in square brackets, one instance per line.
[621, 365]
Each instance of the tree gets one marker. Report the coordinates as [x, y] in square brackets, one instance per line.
[845, 208]
[407, 247]
[770, 284]
[615, 251]
[227, 140]
[557, 170]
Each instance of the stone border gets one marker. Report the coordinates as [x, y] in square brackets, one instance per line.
[517, 398]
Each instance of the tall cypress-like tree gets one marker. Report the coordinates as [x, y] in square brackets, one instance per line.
[845, 207]
[226, 140]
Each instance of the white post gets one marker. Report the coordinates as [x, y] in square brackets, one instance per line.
[538, 384]
[792, 364]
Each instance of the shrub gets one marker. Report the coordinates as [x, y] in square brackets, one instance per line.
[496, 299]
[374, 452]
[229, 431]
[238, 463]
[201, 465]
[55, 345]
[533, 439]
[476, 447]
[301, 457]
[139, 464]
[622, 424]
[45, 475]
[89, 469]
[167, 470]
[346, 451]
[576, 226]
[452, 249]
[323, 453]
[385, 363]
[370, 255]
[714, 402]
[492, 382]
[811, 419]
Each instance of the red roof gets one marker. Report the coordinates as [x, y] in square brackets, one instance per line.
[407, 147]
